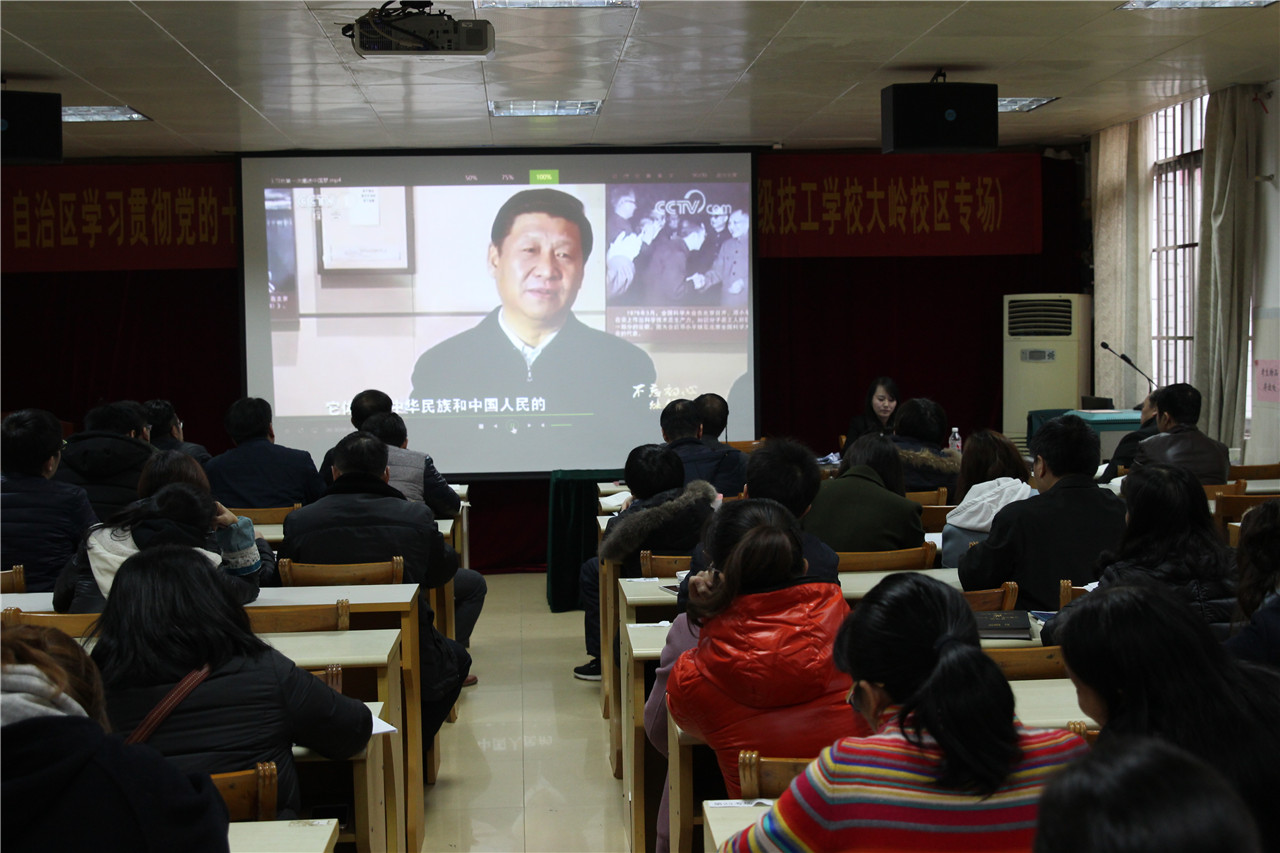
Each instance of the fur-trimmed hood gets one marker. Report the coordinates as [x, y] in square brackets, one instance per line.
[916, 455]
[672, 525]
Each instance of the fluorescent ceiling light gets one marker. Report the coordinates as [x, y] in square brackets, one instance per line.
[1020, 105]
[1194, 4]
[525, 107]
[121, 113]
[556, 4]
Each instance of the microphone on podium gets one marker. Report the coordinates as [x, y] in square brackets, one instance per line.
[1127, 361]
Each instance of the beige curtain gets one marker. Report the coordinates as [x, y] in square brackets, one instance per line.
[1121, 187]
[1225, 275]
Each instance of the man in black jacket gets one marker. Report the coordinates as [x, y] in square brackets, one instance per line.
[361, 519]
[719, 464]
[1179, 442]
[257, 472]
[1122, 456]
[107, 458]
[1057, 534]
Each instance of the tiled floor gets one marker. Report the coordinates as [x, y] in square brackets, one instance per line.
[526, 766]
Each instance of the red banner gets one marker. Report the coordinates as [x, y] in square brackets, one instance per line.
[163, 216]
[850, 205]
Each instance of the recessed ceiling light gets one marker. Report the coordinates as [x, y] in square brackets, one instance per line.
[526, 107]
[121, 113]
[556, 4]
[1020, 105]
[1133, 5]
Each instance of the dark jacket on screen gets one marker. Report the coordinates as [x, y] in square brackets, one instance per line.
[107, 466]
[42, 522]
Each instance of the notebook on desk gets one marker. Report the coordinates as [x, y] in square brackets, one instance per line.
[1003, 624]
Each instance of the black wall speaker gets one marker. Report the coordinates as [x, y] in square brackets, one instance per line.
[30, 127]
[936, 118]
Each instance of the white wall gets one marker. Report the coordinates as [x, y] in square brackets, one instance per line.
[1264, 443]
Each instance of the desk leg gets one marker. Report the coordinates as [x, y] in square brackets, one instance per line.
[633, 744]
[393, 764]
[413, 747]
[370, 797]
[680, 789]
[608, 625]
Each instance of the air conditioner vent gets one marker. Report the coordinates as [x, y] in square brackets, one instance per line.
[1039, 318]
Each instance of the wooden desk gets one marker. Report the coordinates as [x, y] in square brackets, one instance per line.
[375, 816]
[641, 645]
[379, 606]
[1048, 703]
[283, 836]
[379, 650]
[607, 489]
[633, 600]
[273, 533]
[721, 820]
[858, 584]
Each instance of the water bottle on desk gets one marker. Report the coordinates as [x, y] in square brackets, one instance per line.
[954, 441]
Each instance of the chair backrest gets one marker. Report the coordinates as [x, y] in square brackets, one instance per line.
[1254, 472]
[330, 675]
[746, 446]
[249, 794]
[908, 559]
[13, 580]
[340, 574]
[767, 777]
[265, 514]
[1085, 731]
[933, 517]
[933, 497]
[1228, 508]
[1068, 593]
[1236, 488]
[1025, 664]
[660, 566]
[1003, 598]
[71, 624]
[301, 617]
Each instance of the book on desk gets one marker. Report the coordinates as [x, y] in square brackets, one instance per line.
[1003, 624]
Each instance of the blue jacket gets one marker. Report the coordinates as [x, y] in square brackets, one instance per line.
[42, 523]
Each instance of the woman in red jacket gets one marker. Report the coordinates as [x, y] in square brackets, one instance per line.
[762, 674]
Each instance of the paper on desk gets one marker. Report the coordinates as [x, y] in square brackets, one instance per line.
[380, 725]
[614, 503]
[735, 804]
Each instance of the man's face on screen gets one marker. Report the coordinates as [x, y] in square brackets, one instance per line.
[538, 269]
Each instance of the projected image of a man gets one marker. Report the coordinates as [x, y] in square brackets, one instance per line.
[532, 347]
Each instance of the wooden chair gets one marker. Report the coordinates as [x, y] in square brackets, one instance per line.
[340, 574]
[249, 794]
[906, 560]
[1122, 470]
[301, 617]
[1229, 508]
[934, 497]
[1236, 488]
[1003, 598]
[1025, 664]
[1068, 593]
[933, 517]
[660, 566]
[265, 514]
[13, 580]
[746, 446]
[767, 777]
[1082, 728]
[71, 624]
[1254, 472]
[330, 675]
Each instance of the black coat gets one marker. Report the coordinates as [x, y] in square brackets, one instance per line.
[721, 465]
[250, 709]
[260, 473]
[1128, 448]
[1187, 447]
[669, 522]
[42, 522]
[1206, 582]
[67, 785]
[1260, 639]
[107, 466]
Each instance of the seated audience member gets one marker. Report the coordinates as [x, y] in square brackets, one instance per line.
[1057, 534]
[713, 410]
[855, 511]
[171, 614]
[257, 472]
[1170, 537]
[166, 431]
[720, 465]
[413, 473]
[1122, 456]
[364, 405]
[919, 435]
[949, 767]
[1138, 795]
[879, 411]
[363, 520]
[177, 514]
[993, 475]
[664, 517]
[761, 675]
[42, 521]
[1258, 571]
[1179, 442]
[108, 456]
[1145, 664]
[68, 785]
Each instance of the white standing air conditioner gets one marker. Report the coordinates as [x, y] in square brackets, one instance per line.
[1048, 338]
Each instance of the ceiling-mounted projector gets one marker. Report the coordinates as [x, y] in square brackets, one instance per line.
[411, 30]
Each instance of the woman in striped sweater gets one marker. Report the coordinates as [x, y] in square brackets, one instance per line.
[949, 766]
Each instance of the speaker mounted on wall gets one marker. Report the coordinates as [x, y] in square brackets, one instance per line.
[938, 118]
[30, 127]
